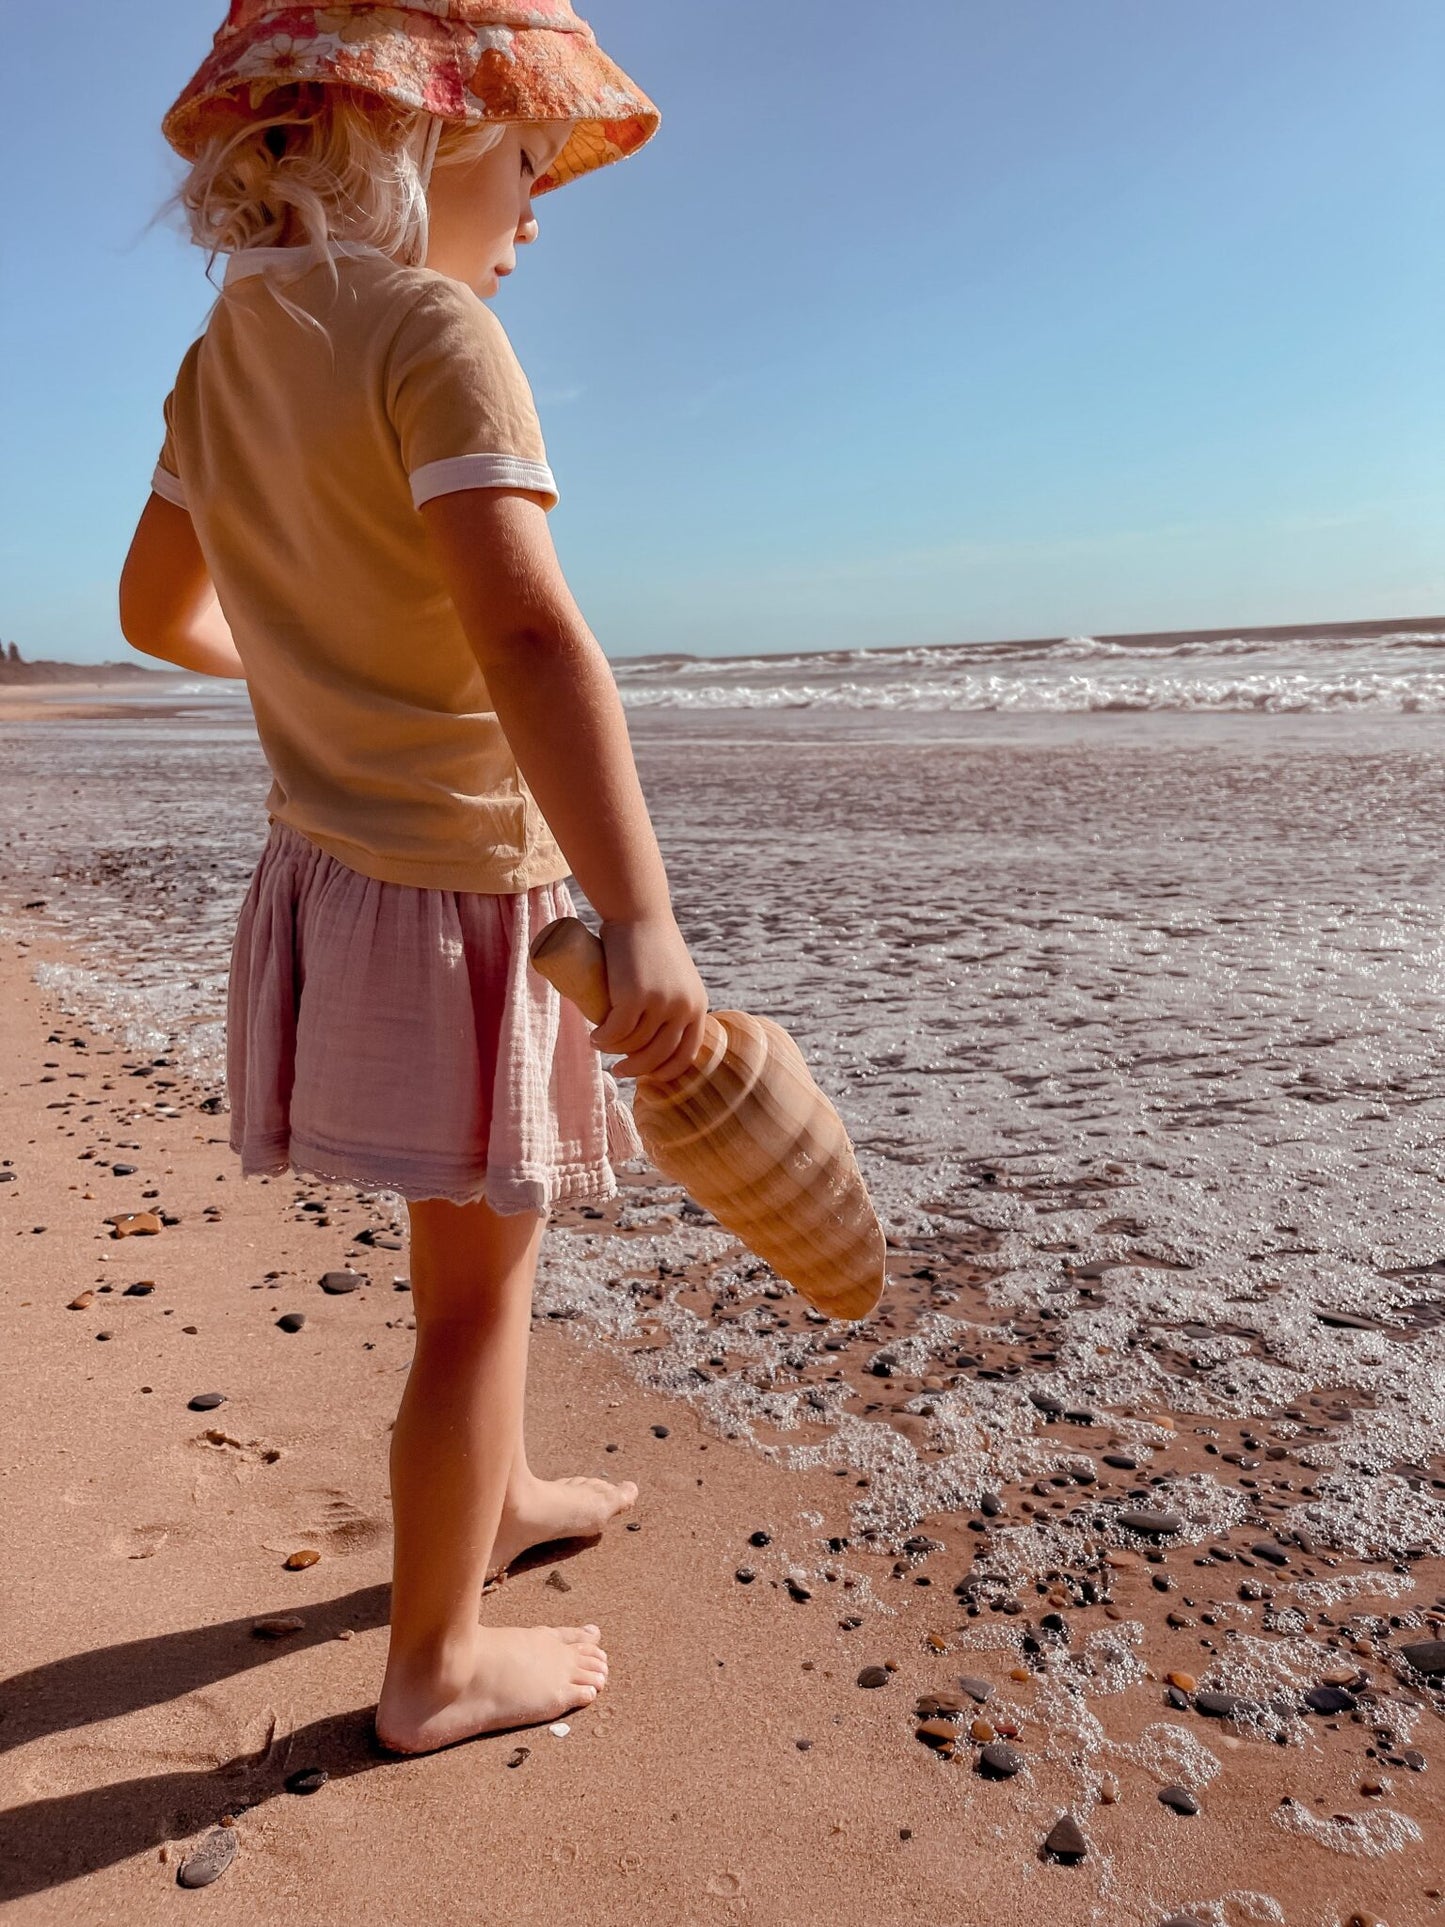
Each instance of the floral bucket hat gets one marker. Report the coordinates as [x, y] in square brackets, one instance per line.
[460, 60]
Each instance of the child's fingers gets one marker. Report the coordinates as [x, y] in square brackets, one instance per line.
[660, 1057]
[625, 1027]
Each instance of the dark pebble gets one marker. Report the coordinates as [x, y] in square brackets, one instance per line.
[874, 1676]
[977, 1689]
[339, 1282]
[1121, 1461]
[103, 1335]
[1426, 1656]
[1415, 1760]
[759, 1539]
[140, 1290]
[210, 1860]
[1272, 1554]
[518, 1754]
[207, 1401]
[659, 1431]
[291, 1321]
[1178, 1797]
[1224, 1706]
[1330, 1699]
[999, 1762]
[1065, 1840]
[990, 1505]
[1155, 1522]
[745, 1575]
[307, 1779]
[798, 1591]
[124, 1170]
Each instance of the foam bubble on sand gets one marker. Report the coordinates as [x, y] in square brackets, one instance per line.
[1367, 1835]
[1171, 1754]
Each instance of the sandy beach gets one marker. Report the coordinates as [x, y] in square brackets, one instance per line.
[1126, 1502]
[734, 1769]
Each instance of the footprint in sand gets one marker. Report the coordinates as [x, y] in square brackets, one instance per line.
[335, 1522]
[252, 1451]
[140, 1542]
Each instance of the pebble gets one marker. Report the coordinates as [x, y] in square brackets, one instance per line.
[298, 1561]
[760, 1539]
[745, 1575]
[1108, 1792]
[1179, 1798]
[1330, 1699]
[982, 1731]
[560, 1730]
[340, 1282]
[518, 1754]
[797, 1590]
[307, 1779]
[291, 1321]
[142, 1288]
[660, 1432]
[556, 1580]
[82, 1303]
[873, 1676]
[104, 1335]
[206, 1401]
[977, 1689]
[1426, 1656]
[1122, 1461]
[1186, 1682]
[210, 1860]
[130, 1224]
[1182, 1920]
[124, 1170]
[1065, 1839]
[1152, 1522]
[1224, 1706]
[939, 1733]
[279, 1628]
[999, 1761]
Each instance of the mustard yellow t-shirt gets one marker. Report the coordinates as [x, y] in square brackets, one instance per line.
[302, 453]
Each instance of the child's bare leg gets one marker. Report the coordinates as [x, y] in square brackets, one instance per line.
[451, 1452]
[535, 1510]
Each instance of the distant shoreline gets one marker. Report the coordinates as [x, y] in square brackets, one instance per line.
[104, 675]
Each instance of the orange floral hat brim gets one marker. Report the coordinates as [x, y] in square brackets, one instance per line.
[462, 60]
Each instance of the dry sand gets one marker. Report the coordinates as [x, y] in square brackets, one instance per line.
[733, 1769]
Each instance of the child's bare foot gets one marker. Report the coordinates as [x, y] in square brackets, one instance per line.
[513, 1676]
[549, 1509]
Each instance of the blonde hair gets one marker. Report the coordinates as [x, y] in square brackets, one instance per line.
[336, 163]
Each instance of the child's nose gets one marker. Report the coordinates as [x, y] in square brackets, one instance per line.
[528, 230]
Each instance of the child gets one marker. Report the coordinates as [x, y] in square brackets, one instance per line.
[350, 512]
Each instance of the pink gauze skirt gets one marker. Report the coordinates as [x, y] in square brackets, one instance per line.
[397, 1039]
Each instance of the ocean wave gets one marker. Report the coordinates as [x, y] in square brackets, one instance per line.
[1281, 693]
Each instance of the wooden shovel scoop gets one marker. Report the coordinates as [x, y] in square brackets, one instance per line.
[751, 1136]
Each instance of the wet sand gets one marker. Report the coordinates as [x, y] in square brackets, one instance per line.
[735, 1768]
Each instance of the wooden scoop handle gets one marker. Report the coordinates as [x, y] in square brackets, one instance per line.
[574, 962]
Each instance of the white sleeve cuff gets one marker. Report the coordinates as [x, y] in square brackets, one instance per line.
[169, 487]
[480, 471]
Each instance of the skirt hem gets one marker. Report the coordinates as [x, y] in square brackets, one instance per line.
[507, 1192]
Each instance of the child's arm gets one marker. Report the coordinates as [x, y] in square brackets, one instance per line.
[556, 699]
[168, 604]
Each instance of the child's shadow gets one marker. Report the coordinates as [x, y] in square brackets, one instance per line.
[50, 1841]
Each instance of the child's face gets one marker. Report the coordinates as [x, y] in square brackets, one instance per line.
[481, 210]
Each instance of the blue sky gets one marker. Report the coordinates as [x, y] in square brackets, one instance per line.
[1019, 318]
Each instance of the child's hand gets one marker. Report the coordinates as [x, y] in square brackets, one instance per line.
[658, 999]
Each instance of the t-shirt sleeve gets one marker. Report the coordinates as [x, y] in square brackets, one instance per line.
[460, 403]
[166, 481]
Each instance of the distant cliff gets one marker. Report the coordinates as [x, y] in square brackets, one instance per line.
[13, 670]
